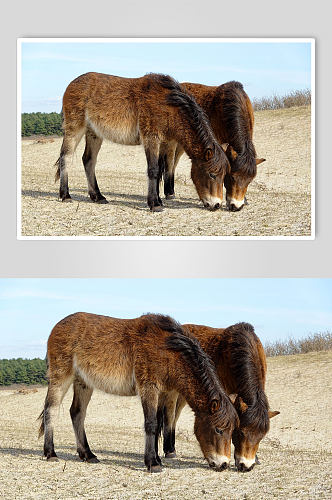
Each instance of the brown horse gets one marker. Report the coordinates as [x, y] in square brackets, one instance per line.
[149, 356]
[152, 110]
[241, 367]
[231, 115]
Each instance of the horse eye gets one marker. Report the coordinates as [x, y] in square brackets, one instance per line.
[213, 176]
[219, 431]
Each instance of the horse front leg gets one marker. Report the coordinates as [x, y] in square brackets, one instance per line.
[152, 157]
[168, 424]
[180, 404]
[158, 433]
[162, 165]
[149, 399]
[174, 152]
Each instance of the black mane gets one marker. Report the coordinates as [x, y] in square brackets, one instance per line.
[198, 119]
[231, 96]
[198, 361]
[164, 322]
[181, 340]
[203, 368]
[241, 344]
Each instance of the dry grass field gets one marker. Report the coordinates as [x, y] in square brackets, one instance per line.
[296, 455]
[279, 198]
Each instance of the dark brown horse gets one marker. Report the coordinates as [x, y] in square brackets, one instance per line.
[231, 115]
[153, 110]
[149, 356]
[241, 367]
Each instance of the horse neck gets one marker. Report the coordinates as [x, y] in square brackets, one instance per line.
[203, 94]
[242, 127]
[186, 383]
[249, 384]
[184, 133]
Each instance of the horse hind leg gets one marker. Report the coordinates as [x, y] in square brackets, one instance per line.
[89, 158]
[81, 398]
[55, 395]
[69, 145]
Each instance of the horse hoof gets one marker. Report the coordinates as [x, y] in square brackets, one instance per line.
[157, 209]
[66, 200]
[52, 459]
[171, 454]
[103, 201]
[155, 468]
[170, 196]
[93, 460]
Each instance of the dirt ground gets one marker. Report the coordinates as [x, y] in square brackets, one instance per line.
[296, 455]
[279, 198]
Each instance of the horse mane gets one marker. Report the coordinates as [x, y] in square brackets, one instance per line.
[203, 368]
[181, 340]
[246, 369]
[164, 322]
[232, 99]
[197, 118]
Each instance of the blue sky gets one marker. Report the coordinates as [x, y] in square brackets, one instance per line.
[264, 68]
[278, 308]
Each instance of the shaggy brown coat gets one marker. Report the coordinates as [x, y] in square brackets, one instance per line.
[240, 363]
[149, 356]
[231, 115]
[153, 110]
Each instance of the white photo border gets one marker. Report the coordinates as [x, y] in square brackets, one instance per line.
[20, 41]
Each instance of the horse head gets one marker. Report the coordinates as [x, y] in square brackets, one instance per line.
[242, 172]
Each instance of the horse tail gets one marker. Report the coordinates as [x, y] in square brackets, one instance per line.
[41, 416]
[57, 173]
[57, 163]
[41, 427]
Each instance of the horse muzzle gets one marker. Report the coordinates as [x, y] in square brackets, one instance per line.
[244, 465]
[235, 205]
[218, 464]
[212, 203]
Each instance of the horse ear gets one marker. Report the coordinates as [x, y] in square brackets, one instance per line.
[215, 406]
[231, 151]
[243, 405]
[208, 154]
[232, 397]
[273, 413]
[259, 160]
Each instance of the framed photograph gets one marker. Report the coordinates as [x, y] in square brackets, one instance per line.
[166, 138]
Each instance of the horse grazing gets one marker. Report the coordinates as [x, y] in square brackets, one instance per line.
[231, 115]
[241, 367]
[150, 356]
[153, 110]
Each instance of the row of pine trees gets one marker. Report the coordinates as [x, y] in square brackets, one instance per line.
[22, 371]
[41, 124]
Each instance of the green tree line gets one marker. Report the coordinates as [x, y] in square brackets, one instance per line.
[41, 124]
[22, 371]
